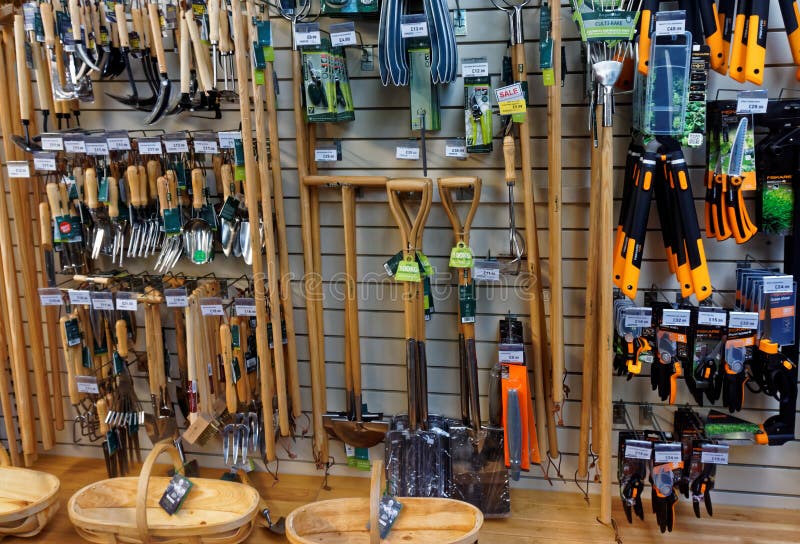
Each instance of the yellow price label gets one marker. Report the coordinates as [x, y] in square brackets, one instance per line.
[511, 107]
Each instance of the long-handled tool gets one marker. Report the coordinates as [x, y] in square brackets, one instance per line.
[165, 86]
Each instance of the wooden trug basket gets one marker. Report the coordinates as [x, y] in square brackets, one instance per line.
[126, 510]
[421, 521]
[27, 499]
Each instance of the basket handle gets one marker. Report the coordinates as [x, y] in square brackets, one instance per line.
[375, 486]
[165, 446]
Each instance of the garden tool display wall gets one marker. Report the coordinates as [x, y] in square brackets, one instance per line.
[343, 355]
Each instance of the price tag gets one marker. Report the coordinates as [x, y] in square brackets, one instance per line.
[668, 455]
[79, 297]
[486, 270]
[227, 139]
[176, 146]
[245, 307]
[743, 320]
[87, 384]
[343, 34]
[510, 107]
[52, 142]
[50, 297]
[752, 102]
[206, 145]
[509, 92]
[457, 150]
[44, 162]
[118, 141]
[714, 319]
[102, 301]
[475, 69]
[150, 146]
[676, 318]
[97, 147]
[778, 284]
[638, 452]
[127, 301]
[211, 307]
[414, 29]
[18, 169]
[511, 354]
[670, 26]
[176, 298]
[717, 456]
[407, 153]
[74, 144]
[638, 320]
[326, 155]
[307, 34]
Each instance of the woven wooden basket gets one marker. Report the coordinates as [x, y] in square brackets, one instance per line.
[421, 521]
[27, 499]
[126, 510]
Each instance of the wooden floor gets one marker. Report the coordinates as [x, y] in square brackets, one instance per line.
[538, 517]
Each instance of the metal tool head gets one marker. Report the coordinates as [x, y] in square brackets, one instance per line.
[25, 143]
[162, 101]
[361, 434]
[606, 72]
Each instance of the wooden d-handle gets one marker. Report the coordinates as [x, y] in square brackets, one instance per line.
[446, 186]
[200, 54]
[198, 184]
[121, 330]
[158, 42]
[165, 446]
[22, 70]
[122, 25]
[509, 160]
[375, 487]
[90, 188]
[134, 186]
[410, 231]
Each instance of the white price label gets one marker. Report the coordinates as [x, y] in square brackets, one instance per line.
[177, 301]
[458, 151]
[670, 26]
[118, 143]
[407, 153]
[87, 384]
[638, 452]
[245, 310]
[742, 320]
[52, 143]
[485, 270]
[150, 147]
[127, 302]
[79, 296]
[714, 319]
[749, 105]
[325, 155]
[212, 309]
[695, 139]
[636, 320]
[102, 303]
[176, 146]
[714, 457]
[341, 39]
[206, 146]
[676, 318]
[668, 456]
[98, 149]
[418, 29]
[44, 162]
[778, 284]
[307, 38]
[511, 356]
[74, 145]
[227, 139]
[475, 69]
[50, 297]
[18, 169]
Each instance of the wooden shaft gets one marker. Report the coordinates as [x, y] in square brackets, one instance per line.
[590, 319]
[191, 354]
[357, 181]
[184, 45]
[75, 19]
[605, 316]
[102, 412]
[138, 21]
[554, 205]
[69, 358]
[163, 191]
[153, 172]
[122, 24]
[48, 23]
[200, 54]
[5, 390]
[252, 175]
[23, 76]
[121, 330]
[113, 198]
[150, 344]
[213, 21]
[43, 85]
[214, 351]
[353, 337]
[158, 43]
[198, 183]
[227, 357]
[90, 188]
[134, 186]
[225, 42]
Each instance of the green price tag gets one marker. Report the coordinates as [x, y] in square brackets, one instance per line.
[461, 256]
[236, 342]
[424, 264]
[466, 303]
[258, 77]
[391, 265]
[427, 299]
[408, 270]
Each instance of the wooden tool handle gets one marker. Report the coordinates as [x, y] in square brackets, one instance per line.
[43, 89]
[102, 413]
[141, 171]
[163, 190]
[53, 199]
[158, 43]
[198, 184]
[227, 358]
[75, 19]
[22, 69]
[200, 54]
[90, 188]
[508, 159]
[94, 20]
[138, 20]
[446, 186]
[213, 21]
[153, 173]
[410, 230]
[69, 359]
[113, 198]
[172, 194]
[225, 42]
[122, 25]
[45, 226]
[375, 492]
[228, 184]
[134, 186]
[48, 22]
[121, 329]
[185, 55]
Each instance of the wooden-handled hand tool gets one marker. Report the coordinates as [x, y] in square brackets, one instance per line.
[165, 87]
[225, 339]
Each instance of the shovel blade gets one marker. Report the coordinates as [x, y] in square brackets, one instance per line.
[359, 434]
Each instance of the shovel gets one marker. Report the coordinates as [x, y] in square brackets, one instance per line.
[24, 93]
[80, 46]
[198, 235]
[229, 230]
[165, 87]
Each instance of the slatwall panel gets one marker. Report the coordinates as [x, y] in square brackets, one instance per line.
[756, 476]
